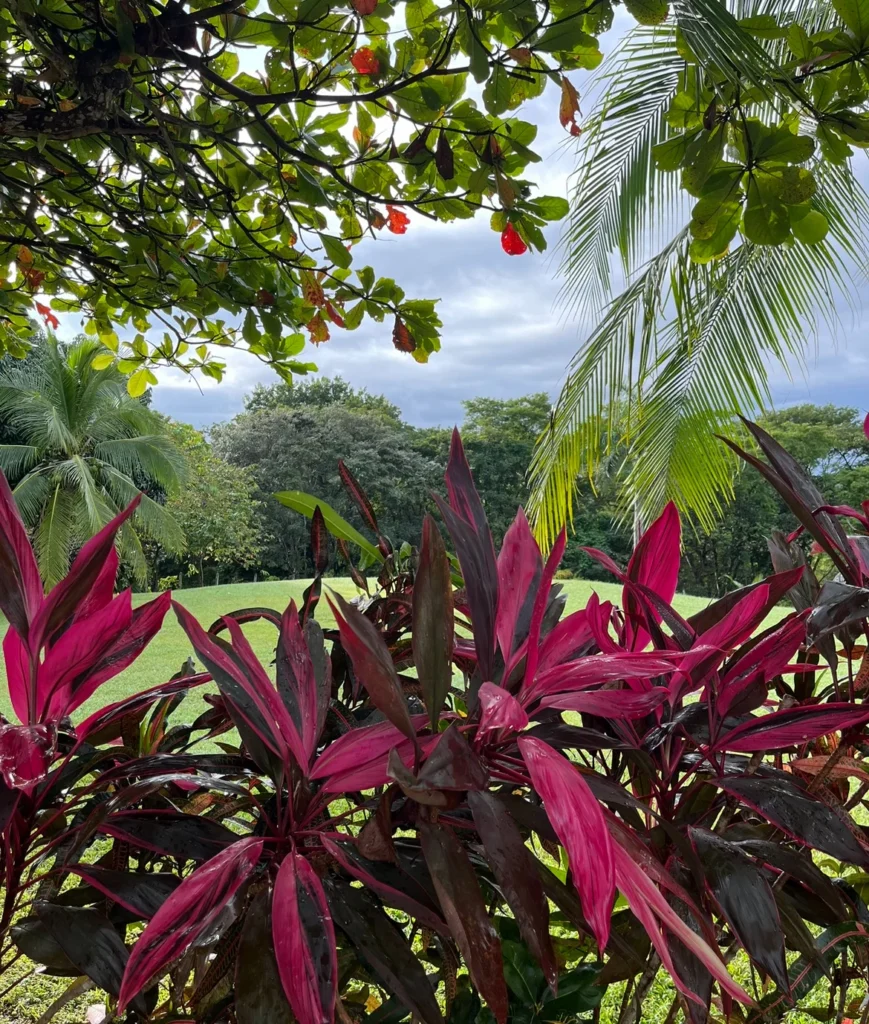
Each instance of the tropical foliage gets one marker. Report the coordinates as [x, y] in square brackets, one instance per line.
[380, 843]
[78, 450]
[203, 171]
[716, 224]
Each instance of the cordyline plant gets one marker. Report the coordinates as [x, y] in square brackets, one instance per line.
[381, 844]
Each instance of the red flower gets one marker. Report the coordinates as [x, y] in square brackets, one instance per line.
[398, 220]
[364, 6]
[365, 61]
[48, 316]
[511, 242]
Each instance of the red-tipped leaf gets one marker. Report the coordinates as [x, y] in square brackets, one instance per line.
[433, 628]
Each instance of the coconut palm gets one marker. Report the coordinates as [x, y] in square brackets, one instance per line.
[84, 449]
[681, 348]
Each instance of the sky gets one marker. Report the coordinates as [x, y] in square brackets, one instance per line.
[503, 334]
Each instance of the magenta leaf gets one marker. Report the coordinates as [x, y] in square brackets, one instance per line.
[86, 572]
[597, 669]
[26, 752]
[579, 823]
[113, 713]
[372, 664]
[793, 727]
[762, 662]
[304, 941]
[187, 913]
[20, 583]
[361, 746]
[609, 703]
[655, 564]
[17, 661]
[499, 710]
[653, 911]
[297, 686]
[103, 589]
[566, 640]
[519, 568]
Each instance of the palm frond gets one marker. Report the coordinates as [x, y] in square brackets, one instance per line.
[618, 198]
[154, 456]
[55, 534]
[152, 518]
[16, 459]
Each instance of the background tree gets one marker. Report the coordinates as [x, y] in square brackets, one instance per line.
[755, 116]
[216, 510]
[319, 393]
[83, 449]
[299, 449]
[183, 167]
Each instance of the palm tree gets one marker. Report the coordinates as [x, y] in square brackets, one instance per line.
[84, 449]
[680, 348]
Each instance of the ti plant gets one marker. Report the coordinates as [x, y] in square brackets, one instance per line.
[457, 796]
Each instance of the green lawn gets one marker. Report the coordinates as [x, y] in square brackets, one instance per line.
[169, 649]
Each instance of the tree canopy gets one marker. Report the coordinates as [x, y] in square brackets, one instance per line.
[203, 170]
[717, 222]
[320, 393]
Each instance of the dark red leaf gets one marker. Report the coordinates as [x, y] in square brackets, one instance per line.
[779, 584]
[297, 686]
[364, 7]
[20, 583]
[597, 669]
[384, 949]
[26, 752]
[799, 814]
[189, 911]
[304, 941]
[762, 662]
[444, 157]
[433, 627]
[517, 877]
[499, 710]
[578, 820]
[452, 765]
[746, 901]
[609, 703]
[170, 833]
[259, 995]
[354, 489]
[142, 892]
[364, 62]
[462, 901]
[402, 339]
[541, 601]
[372, 664]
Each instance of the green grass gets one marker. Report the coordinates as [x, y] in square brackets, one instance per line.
[170, 648]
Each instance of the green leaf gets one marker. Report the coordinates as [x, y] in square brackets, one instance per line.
[551, 207]
[568, 36]
[102, 361]
[782, 146]
[137, 384]
[336, 251]
[335, 523]
[766, 220]
[855, 15]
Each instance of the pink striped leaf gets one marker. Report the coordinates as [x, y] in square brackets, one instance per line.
[304, 941]
[793, 727]
[541, 601]
[609, 703]
[297, 686]
[519, 569]
[579, 823]
[499, 710]
[187, 913]
[596, 669]
[570, 635]
[655, 564]
[360, 746]
[20, 583]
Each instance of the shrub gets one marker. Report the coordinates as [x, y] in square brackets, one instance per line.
[564, 574]
[371, 834]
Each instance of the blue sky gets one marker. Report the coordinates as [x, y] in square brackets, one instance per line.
[504, 334]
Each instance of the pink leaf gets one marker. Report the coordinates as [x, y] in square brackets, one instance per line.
[68, 662]
[793, 727]
[375, 772]
[598, 615]
[569, 635]
[187, 913]
[17, 661]
[765, 660]
[519, 569]
[652, 910]
[103, 589]
[64, 600]
[654, 563]
[596, 669]
[711, 647]
[20, 583]
[360, 746]
[579, 823]
[26, 752]
[500, 710]
[297, 686]
[304, 941]
[609, 703]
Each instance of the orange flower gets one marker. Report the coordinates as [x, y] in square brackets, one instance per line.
[365, 62]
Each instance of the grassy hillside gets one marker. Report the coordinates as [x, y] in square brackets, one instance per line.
[170, 648]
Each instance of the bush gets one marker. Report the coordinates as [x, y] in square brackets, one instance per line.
[564, 574]
[366, 832]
